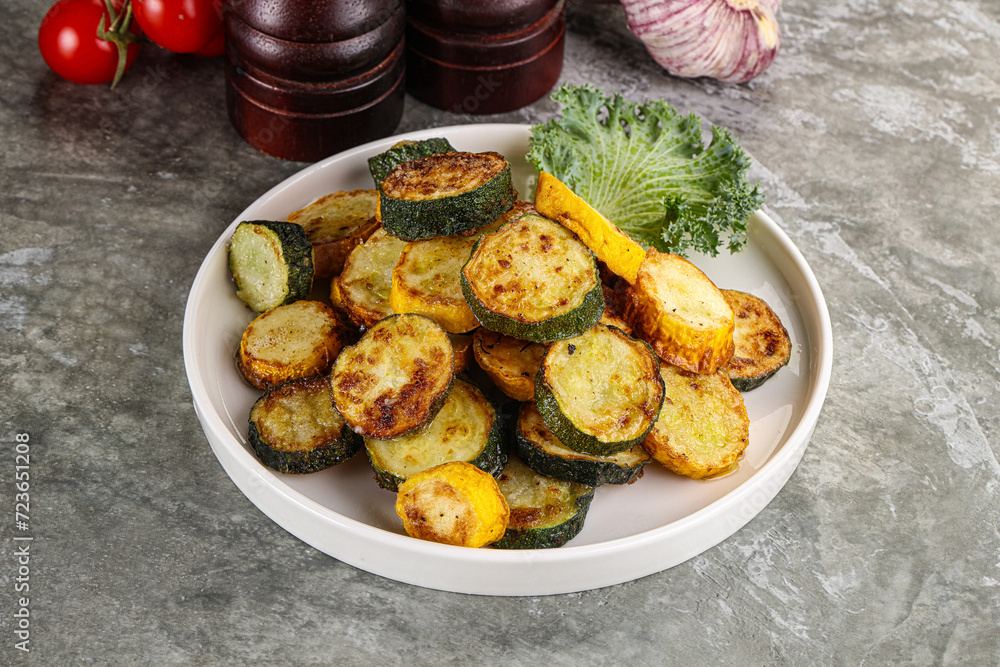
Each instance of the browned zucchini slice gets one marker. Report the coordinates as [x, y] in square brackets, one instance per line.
[680, 312]
[335, 224]
[294, 428]
[425, 280]
[543, 452]
[762, 343]
[396, 378]
[545, 513]
[703, 427]
[511, 363]
[599, 392]
[467, 428]
[444, 194]
[300, 339]
[532, 279]
[363, 287]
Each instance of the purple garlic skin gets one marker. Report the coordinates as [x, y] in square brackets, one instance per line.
[728, 40]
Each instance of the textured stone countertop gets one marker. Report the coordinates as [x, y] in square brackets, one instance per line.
[876, 137]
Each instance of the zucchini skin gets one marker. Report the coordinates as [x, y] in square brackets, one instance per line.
[761, 340]
[523, 527]
[413, 220]
[559, 327]
[492, 459]
[567, 432]
[342, 448]
[380, 165]
[581, 469]
[555, 327]
[296, 256]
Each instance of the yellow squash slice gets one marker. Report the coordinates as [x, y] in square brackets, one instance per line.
[453, 503]
[703, 427]
[615, 248]
[680, 312]
[426, 281]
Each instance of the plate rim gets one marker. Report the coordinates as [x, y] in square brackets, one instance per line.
[261, 482]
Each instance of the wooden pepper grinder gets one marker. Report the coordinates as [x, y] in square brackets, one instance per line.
[308, 78]
[483, 56]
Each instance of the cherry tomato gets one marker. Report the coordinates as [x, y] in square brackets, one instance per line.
[69, 43]
[216, 47]
[181, 26]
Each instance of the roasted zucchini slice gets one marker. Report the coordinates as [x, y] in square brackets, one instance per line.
[545, 513]
[467, 428]
[294, 428]
[680, 312]
[395, 379]
[380, 165]
[612, 246]
[762, 343]
[532, 279]
[453, 503]
[543, 453]
[362, 288]
[335, 224]
[511, 363]
[599, 392]
[703, 427]
[445, 194]
[426, 281]
[297, 340]
[271, 263]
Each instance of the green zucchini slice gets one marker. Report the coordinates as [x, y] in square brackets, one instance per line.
[542, 452]
[599, 392]
[761, 341]
[396, 378]
[532, 279]
[468, 428]
[545, 513]
[380, 165]
[294, 428]
[271, 263]
[445, 194]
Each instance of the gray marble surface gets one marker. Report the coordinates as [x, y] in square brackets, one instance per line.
[877, 137]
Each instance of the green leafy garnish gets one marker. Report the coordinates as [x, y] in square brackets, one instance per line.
[645, 168]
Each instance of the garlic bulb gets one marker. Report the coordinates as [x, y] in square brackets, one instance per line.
[728, 40]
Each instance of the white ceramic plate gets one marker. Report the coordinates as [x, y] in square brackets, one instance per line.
[631, 531]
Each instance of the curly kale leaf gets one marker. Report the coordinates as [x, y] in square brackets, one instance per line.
[645, 168]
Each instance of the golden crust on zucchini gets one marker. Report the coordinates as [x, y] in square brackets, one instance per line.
[335, 224]
[426, 281]
[615, 248]
[442, 175]
[680, 312]
[511, 363]
[703, 427]
[395, 379]
[762, 342]
[362, 288]
[453, 503]
[300, 339]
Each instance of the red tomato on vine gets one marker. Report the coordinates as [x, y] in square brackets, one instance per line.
[181, 26]
[71, 43]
